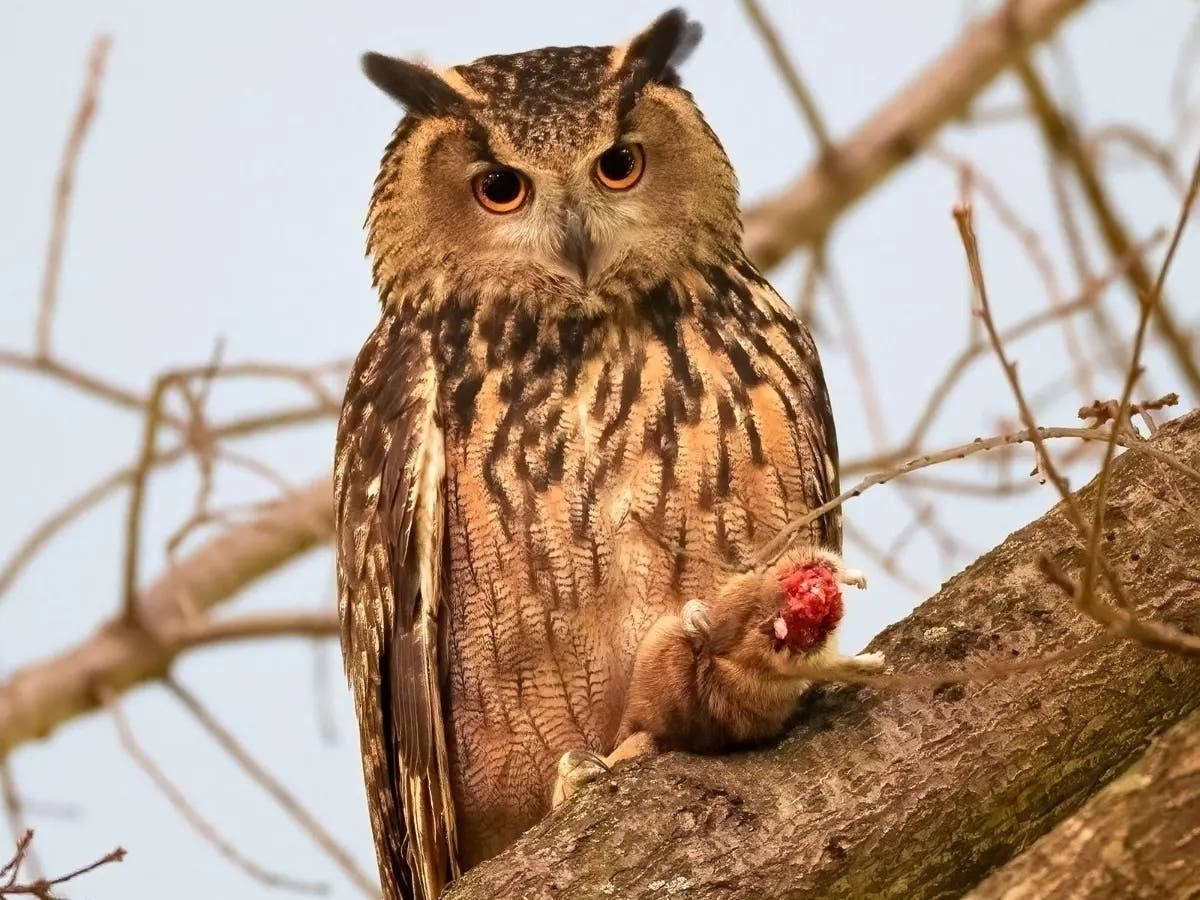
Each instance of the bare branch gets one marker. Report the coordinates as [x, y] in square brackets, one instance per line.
[771, 551]
[62, 193]
[1062, 137]
[14, 811]
[42, 888]
[1101, 411]
[174, 795]
[27, 550]
[1149, 305]
[804, 212]
[1118, 619]
[285, 798]
[791, 76]
[137, 495]
[39, 697]
[257, 627]
[73, 377]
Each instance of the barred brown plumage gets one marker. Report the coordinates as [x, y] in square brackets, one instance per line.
[538, 460]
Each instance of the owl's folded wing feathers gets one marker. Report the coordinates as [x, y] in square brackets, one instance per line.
[389, 501]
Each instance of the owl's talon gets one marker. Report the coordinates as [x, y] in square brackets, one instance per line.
[576, 768]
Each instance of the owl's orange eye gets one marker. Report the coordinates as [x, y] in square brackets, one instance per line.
[620, 168]
[500, 190]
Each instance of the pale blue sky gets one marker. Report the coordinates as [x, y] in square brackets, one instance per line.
[221, 194]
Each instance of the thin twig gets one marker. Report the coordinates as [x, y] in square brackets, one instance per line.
[1031, 243]
[27, 550]
[941, 391]
[62, 193]
[1061, 135]
[884, 560]
[285, 798]
[137, 494]
[303, 624]
[73, 377]
[1149, 304]
[791, 76]
[14, 812]
[771, 551]
[198, 823]
[1142, 146]
[1117, 618]
[42, 888]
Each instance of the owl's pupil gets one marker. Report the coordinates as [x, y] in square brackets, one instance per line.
[617, 163]
[502, 187]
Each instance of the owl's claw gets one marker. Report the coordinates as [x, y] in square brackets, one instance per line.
[576, 768]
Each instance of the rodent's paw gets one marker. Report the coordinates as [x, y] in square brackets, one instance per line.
[695, 619]
[854, 578]
[869, 663]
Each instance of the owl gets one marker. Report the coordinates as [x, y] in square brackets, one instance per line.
[581, 410]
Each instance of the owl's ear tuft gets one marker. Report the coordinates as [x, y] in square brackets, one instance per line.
[420, 90]
[655, 54]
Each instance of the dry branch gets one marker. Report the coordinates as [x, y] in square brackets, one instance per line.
[288, 801]
[790, 74]
[40, 697]
[12, 884]
[804, 212]
[909, 794]
[1138, 838]
[1064, 142]
[63, 187]
[201, 826]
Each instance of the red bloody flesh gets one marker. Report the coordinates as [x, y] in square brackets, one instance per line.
[812, 608]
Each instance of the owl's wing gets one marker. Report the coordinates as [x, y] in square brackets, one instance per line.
[389, 507]
[812, 424]
[817, 429]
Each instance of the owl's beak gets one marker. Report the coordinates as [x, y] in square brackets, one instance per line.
[577, 243]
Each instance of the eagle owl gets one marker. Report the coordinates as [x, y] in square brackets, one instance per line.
[581, 409]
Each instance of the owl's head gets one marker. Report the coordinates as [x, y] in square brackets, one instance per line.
[565, 169]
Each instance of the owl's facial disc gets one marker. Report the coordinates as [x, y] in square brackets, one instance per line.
[587, 164]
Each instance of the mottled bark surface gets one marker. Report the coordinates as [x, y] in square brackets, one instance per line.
[919, 793]
[1137, 838]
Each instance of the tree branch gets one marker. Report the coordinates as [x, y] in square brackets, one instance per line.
[1063, 139]
[804, 212]
[41, 696]
[62, 193]
[1139, 837]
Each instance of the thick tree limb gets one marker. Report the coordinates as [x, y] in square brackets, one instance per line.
[804, 212]
[1137, 838]
[40, 697]
[919, 793]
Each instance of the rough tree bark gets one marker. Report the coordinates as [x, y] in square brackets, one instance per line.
[1137, 838]
[918, 793]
